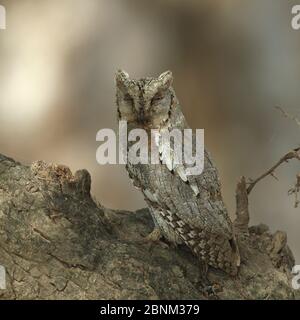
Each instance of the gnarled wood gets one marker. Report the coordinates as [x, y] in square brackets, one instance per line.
[57, 243]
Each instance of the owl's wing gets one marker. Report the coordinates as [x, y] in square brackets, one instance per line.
[196, 198]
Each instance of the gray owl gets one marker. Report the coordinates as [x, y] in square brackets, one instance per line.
[185, 209]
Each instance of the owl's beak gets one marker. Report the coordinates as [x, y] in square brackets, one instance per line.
[141, 115]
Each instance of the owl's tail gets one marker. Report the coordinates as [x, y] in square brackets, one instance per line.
[213, 249]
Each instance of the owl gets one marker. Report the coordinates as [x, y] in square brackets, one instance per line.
[186, 209]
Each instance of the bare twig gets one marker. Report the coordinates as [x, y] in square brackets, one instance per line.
[295, 190]
[294, 154]
[288, 115]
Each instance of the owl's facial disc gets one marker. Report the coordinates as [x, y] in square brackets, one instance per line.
[145, 102]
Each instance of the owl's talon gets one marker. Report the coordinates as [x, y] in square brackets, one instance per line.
[210, 290]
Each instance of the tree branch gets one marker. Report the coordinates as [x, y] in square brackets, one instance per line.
[57, 243]
[294, 154]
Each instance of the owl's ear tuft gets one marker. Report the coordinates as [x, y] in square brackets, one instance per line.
[121, 78]
[166, 79]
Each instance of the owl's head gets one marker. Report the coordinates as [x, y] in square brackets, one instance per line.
[146, 102]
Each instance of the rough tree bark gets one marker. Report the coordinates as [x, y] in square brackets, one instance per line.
[56, 242]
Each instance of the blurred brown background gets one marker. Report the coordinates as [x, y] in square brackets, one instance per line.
[232, 60]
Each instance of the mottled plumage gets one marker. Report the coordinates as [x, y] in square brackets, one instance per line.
[186, 208]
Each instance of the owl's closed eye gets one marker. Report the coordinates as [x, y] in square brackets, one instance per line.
[146, 101]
